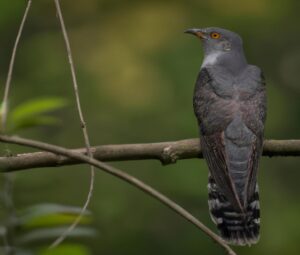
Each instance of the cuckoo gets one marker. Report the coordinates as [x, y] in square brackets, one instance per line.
[230, 106]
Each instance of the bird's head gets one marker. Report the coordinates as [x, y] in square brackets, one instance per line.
[217, 40]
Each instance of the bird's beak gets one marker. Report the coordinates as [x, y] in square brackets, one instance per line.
[197, 32]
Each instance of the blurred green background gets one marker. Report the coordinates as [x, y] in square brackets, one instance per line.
[136, 72]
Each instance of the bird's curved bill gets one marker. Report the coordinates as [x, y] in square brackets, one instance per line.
[197, 32]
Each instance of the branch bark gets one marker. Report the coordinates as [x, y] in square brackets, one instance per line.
[165, 152]
[125, 177]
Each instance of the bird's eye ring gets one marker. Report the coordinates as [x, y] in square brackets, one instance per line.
[215, 35]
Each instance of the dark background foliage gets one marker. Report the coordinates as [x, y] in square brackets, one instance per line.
[136, 72]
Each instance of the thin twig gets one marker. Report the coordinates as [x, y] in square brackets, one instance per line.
[83, 126]
[8, 181]
[10, 70]
[165, 152]
[123, 176]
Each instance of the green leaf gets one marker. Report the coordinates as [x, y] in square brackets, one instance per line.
[54, 220]
[44, 215]
[52, 233]
[66, 249]
[35, 121]
[32, 113]
[47, 208]
[38, 106]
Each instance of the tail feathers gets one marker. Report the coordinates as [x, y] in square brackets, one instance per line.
[235, 228]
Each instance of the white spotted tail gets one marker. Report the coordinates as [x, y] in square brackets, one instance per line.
[235, 227]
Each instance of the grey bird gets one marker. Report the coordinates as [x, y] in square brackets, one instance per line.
[230, 106]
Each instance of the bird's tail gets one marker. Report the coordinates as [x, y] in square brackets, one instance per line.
[235, 228]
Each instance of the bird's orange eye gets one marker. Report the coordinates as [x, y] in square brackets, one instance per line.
[215, 35]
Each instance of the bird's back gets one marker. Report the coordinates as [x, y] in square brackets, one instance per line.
[231, 115]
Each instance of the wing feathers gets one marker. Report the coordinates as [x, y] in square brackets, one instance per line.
[231, 133]
[215, 155]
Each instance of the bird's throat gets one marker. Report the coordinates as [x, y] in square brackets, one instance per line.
[211, 59]
[232, 61]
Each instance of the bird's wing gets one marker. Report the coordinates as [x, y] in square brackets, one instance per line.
[214, 114]
[214, 152]
[231, 143]
[254, 116]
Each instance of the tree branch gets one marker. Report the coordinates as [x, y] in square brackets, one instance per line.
[123, 176]
[166, 152]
